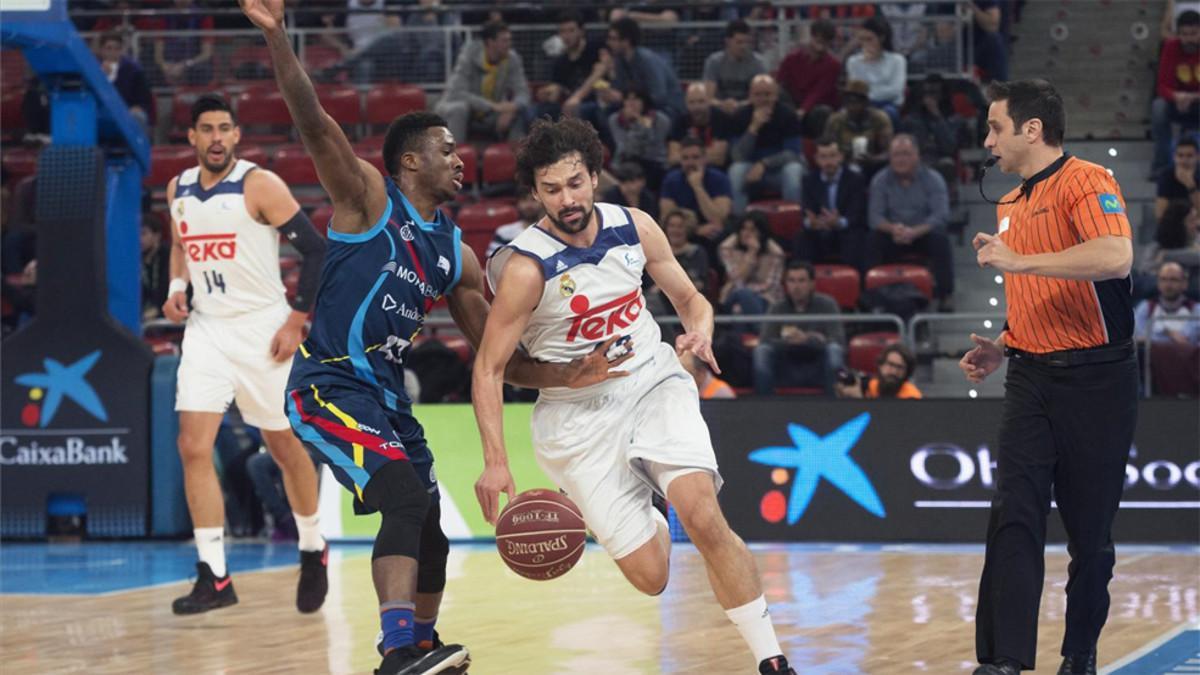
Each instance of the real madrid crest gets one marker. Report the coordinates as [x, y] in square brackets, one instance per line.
[566, 286]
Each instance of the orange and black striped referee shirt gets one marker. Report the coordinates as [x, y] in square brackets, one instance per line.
[1067, 203]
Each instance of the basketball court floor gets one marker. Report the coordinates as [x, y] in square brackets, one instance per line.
[105, 608]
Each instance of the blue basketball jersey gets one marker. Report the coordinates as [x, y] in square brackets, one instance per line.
[376, 288]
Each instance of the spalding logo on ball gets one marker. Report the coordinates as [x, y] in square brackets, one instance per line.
[541, 534]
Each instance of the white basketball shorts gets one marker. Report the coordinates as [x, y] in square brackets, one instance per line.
[229, 358]
[611, 451]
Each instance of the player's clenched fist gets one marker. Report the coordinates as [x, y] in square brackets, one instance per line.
[266, 14]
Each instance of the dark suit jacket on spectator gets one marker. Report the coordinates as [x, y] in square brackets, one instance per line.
[851, 196]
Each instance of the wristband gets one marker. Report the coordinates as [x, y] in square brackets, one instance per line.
[177, 285]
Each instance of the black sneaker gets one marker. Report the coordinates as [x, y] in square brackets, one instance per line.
[776, 664]
[410, 660]
[1001, 668]
[314, 580]
[1074, 664]
[208, 593]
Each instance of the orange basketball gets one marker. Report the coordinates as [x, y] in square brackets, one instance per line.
[541, 534]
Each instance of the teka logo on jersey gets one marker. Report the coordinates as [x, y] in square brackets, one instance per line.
[47, 389]
[207, 247]
[597, 323]
[815, 457]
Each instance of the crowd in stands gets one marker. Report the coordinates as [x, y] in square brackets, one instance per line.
[839, 150]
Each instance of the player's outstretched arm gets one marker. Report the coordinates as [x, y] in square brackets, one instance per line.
[356, 188]
[692, 307]
[470, 309]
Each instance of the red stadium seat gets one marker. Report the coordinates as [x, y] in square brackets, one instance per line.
[499, 164]
[386, 102]
[320, 57]
[247, 56]
[253, 153]
[786, 219]
[486, 216]
[371, 150]
[294, 166]
[470, 164]
[842, 282]
[11, 119]
[916, 275]
[865, 349]
[263, 116]
[478, 241]
[12, 68]
[166, 162]
[20, 162]
[342, 104]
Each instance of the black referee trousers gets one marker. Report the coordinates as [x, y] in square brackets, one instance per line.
[1065, 433]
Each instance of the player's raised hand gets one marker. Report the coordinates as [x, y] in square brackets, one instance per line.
[266, 14]
[597, 367]
[176, 307]
[982, 360]
[494, 480]
[699, 345]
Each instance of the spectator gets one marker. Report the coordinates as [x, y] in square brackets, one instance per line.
[768, 148]
[704, 121]
[699, 189]
[907, 29]
[575, 71]
[895, 366]
[835, 210]
[1178, 89]
[487, 93]
[991, 42]
[679, 226]
[863, 133]
[799, 354]
[727, 73]
[631, 190]
[908, 210]
[753, 265]
[367, 45]
[809, 75]
[1175, 240]
[426, 48]
[639, 133]
[929, 117]
[156, 267]
[127, 78]
[529, 211]
[940, 52]
[640, 68]
[183, 56]
[1171, 12]
[884, 71]
[1163, 319]
[1179, 182]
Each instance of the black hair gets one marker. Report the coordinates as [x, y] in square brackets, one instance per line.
[761, 223]
[829, 140]
[549, 141]
[627, 171]
[910, 361]
[571, 16]
[1171, 232]
[737, 27]
[801, 264]
[112, 36]
[1033, 99]
[881, 28]
[824, 29]
[405, 134]
[691, 142]
[627, 29]
[492, 30]
[211, 103]
[1187, 18]
[1188, 141]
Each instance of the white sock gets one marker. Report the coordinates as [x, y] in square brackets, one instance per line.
[309, 528]
[210, 544]
[753, 621]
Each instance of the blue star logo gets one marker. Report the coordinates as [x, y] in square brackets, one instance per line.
[815, 457]
[59, 381]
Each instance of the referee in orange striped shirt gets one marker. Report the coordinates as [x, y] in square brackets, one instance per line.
[1070, 402]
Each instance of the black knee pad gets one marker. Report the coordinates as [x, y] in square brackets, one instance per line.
[435, 547]
[400, 497]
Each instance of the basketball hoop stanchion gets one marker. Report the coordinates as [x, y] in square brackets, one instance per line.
[85, 109]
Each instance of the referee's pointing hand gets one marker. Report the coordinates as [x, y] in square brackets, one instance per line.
[991, 251]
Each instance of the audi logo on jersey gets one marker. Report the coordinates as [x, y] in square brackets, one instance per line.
[206, 247]
[597, 323]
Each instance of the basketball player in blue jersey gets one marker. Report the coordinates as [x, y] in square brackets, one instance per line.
[392, 254]
[570, 282]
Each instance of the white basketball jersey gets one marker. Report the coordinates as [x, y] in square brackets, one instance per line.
[232, 259]
[590, 294]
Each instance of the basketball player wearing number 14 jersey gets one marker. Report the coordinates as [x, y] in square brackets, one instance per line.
[227, 215]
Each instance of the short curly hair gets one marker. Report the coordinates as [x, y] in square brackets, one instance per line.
[549, 141]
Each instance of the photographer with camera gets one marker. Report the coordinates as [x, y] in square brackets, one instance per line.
[895, 366]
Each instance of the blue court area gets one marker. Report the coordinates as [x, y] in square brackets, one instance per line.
[1180, 654]
[103, 567]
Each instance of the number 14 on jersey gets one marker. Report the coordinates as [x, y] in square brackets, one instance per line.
[214, 280]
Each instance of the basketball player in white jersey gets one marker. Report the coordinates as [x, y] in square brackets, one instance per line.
[562, 287]
[227, 215]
